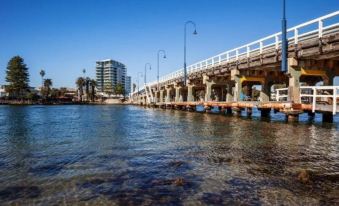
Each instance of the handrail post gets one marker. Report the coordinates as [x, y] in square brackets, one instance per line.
[237, 54]
[277, 96]
[248, 51]
[314, 98]
[296, 34]
[334, 100]
[276, 42]
[320, 28]
[227, 57]
[261, 45]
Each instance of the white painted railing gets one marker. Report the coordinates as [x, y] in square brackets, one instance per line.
[281, 94]
[314, 95]
[268, 43]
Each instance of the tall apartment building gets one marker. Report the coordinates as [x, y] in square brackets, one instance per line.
[128, 85]
[110, 73]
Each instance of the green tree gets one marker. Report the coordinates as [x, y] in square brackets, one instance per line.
[17, 77]
[42, 74]
[119, 89]
[93, 85]
[80, 82]
[55, 93]
[46, 90]
[109, 88]
[63, 91]
[87, 85]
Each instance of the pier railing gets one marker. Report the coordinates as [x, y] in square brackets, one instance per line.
[315, 28]
[323, 98]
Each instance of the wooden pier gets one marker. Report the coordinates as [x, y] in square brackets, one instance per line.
[252, 72]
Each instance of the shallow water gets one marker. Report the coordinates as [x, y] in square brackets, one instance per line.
[128, 155]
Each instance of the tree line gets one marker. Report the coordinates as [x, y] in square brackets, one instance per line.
[17, 87]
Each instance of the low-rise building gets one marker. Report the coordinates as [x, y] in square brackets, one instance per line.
[3, 92]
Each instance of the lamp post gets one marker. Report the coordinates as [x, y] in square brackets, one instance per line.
[284, 40]
[139, 75]
[194, 33]
[150, 67]
[84, 72]
[164, 56]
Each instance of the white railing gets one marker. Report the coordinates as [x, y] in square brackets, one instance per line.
[281, 94]
[314, 95]
[271, 42]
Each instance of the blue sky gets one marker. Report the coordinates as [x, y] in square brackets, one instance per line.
[65, 36]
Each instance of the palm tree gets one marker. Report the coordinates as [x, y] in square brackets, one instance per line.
[119, 89]
[87, 84]
[42, 74]
[80, 82]
[93, 84]
[47, 87]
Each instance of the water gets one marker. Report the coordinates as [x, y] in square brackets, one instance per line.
[126, 155]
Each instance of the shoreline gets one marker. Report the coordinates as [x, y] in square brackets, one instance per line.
[56, 104]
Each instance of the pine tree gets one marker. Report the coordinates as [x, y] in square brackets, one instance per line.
[17, 77]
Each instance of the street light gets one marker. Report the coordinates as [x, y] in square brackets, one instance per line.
[284, 40]
[164, 56]
[139, 75]
[84, 72]
[150, 67]
[194, 33]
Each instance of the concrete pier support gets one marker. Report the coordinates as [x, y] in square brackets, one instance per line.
[208, 91]
[229, 95]
[294, 74]
[265, 112]
[238, 87]
[177, 93]
[265, 92]
[237, 111]
[168, 94]
[190, 97]
[229, 111]
[249, 111]
[328, 117]
[293, 117]
[161, 99]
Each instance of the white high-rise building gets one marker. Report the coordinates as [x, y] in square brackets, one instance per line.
[128, 85]
[110, 73]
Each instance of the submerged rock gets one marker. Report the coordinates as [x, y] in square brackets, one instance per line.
[176, 163]
[304, 176]
[17, 192]
[179, 181]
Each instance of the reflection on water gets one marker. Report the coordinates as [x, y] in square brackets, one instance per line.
[130, 156]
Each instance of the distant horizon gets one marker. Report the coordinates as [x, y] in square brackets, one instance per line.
[64, 37]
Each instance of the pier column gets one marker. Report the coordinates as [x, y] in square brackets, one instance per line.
[329, 78]
[168, 94]
[177, 93]
[161, 95]
[328, 117]
[229, 95]
[208, 90]
[237, 87]
[190, 97]
[294, 74]
[265, 92]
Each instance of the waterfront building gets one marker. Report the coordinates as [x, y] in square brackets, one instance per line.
[3, 92]
[109, 73]
[128, 85]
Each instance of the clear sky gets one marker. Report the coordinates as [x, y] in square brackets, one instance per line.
[65, 36]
